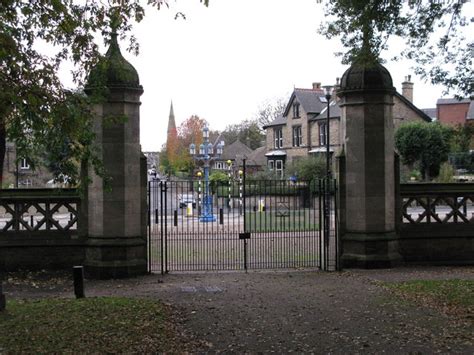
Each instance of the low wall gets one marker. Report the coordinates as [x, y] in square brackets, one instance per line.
[436, 223]
[41, 229]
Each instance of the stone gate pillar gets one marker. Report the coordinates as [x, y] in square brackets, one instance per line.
[116, 244]
[368, 235]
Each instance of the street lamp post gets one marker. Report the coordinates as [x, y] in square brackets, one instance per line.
[206, 155]
[327, 184]
[328, 94]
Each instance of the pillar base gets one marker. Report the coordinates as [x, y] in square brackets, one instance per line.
[121, 257]
[370, 250]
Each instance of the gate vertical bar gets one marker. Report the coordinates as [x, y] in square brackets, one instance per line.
[244, 208]
[320, 225]
[149, 227]
[161, 229]
[327, 222]
[165, 193]
[336, 225]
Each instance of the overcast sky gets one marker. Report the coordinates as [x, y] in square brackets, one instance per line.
[226, 60]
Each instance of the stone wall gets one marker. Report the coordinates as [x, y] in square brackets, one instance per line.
[441, 231]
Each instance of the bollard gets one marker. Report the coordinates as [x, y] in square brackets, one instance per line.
[2, 298]
[189, 209]
[78, 274]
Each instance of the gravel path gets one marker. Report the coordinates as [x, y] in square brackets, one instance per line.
[303, 311]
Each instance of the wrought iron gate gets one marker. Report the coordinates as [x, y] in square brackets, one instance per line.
[240, 225]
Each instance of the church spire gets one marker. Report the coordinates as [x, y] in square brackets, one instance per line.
[171, 121]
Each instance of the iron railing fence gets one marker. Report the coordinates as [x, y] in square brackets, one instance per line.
[265, 224]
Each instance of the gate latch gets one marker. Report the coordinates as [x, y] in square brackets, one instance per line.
[245, 235]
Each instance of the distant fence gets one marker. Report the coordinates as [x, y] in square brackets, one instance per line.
[41, 227]
[436, 222]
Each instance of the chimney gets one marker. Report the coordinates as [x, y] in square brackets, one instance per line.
[317, 87]
[336, 89]
[407, 88]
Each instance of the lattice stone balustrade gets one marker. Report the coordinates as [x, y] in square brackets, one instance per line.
[437, 203]
[33, 211]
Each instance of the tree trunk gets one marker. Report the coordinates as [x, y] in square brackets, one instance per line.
[2, 150]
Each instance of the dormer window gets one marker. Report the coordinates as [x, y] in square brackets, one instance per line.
[296, 110]
[24, 165]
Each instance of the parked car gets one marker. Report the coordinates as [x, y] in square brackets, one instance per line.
[185, 199]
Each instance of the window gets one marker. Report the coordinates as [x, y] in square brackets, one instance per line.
[297, 136]
[24, 165]
[296, 110]
[278, 138]
[26, 182]
[279, 167]
[271, 165]
[322, 133]
[276, 166]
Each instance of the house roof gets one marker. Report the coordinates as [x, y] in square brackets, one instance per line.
[257, 157]
[312, 101]
[235, 149]
[452, 101]
[431, 112]
[334, 112]
[279, 121]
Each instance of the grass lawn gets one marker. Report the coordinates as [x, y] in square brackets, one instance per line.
[451, 296]
[99, 325]
[283, 221]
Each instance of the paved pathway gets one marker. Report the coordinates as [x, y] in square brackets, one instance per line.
[310, 312]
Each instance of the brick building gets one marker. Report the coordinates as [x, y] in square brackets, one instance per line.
[301, 130]
[453, 111]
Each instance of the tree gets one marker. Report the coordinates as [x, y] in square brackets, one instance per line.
[426, 144]
[307, 168]
[248, 132]
[269, 111]
[462, 137]
[434, 32]
[36, 37]
[190, 131]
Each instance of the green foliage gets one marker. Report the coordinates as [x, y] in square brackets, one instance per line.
[437, 35]
[415, 175]
[32, 94]
[265, 174]
[247, 132]
[461, 138]
[307, 168]
[426, 144]
[446, 173]
[165, 164]
[218, 178]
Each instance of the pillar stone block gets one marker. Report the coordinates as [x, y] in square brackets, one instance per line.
[116, 245]
[368, 235]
